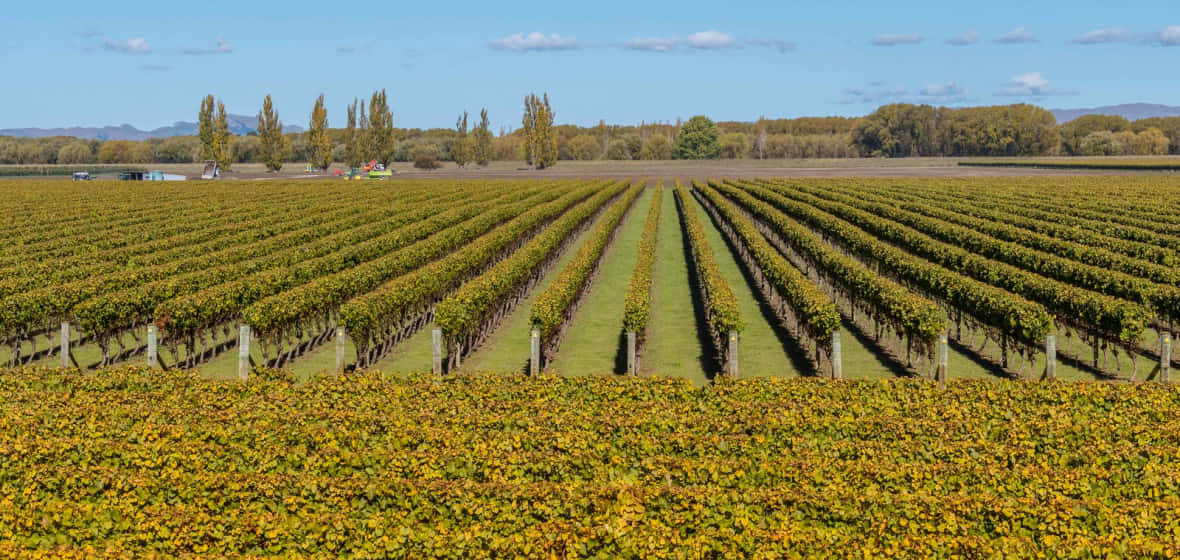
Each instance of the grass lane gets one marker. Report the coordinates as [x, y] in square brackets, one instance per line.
[593, 343]
[506, 350]
[674, 347]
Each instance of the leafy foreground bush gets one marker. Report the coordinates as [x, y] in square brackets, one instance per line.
[131, 463]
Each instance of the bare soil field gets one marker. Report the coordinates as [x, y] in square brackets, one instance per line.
[862, 167]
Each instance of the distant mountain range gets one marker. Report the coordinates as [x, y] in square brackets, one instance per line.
[1132, 111]
[238, 124]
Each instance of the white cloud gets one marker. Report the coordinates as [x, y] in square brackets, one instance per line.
[874, 93]
[704, 40]
[1017, 36]
[968, 38]
[1169, 37]
[781, 45]
[222, 47]
[1031, 84]
[950, 92]
[892, 39]
[1107, 35]
[711, 40]
[880, 93]
[134, 45]
[535, 41]
[656, 44]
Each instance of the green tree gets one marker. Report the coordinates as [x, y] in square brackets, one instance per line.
[540, 148]
[1074, 132]
[657, 147]
[482, 140]
[1149, 142]
[734, 145]
[353, 154]
[273, 145]
[79, 152]
[382, 141]
[364, 136]
[205, 127]
[697, 139]
[618, 150]
[319, 144]
[1170, 126]
[460, 150]
[898, 130]
[1100, 143]
[116, 151]
[223, 148]
[583, 147]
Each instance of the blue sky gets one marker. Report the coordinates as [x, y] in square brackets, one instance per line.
[149, 63]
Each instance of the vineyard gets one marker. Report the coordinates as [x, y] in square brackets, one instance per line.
[303, 369]
[1017, 278]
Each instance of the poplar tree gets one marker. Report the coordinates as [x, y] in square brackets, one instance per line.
[459, 148]
[540, 141]
[222, 147]
[528, 124]
[205, 127]
[364, 141]
[382, 142]
[274, 145]
[319, 145]
[482, 140]
[352, 144]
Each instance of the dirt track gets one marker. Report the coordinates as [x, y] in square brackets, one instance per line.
[907, 167]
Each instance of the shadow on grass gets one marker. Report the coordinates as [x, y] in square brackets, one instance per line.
[710, 359]
[796, 353]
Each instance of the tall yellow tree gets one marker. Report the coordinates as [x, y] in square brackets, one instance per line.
[205, 127]
[222, 146]
[382, 141]
[352, 139]
[274, 145]
[540, 142]
[319, 144]
[481, 144]
[460, 148]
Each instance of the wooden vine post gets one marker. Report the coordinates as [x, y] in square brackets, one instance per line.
[1050, 357]
[631, 353]
[940, 375]
[837, 360]
[1166, 358]
[152, 346]
[244, 352]
[534, 352]
[65, 345]
[339, 350]
[732, 350]
[436, 345]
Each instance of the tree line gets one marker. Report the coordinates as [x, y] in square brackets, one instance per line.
[897, 130]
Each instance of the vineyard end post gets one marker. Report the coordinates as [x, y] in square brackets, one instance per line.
[1166, 358]
[1050, 357]
[436, 351]
[837, 360]
[733, 354]
[244, 352]
[631, 353]
[339, 350]
[534, 352]
[65, 344]
[152, 346]
[942, 360]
